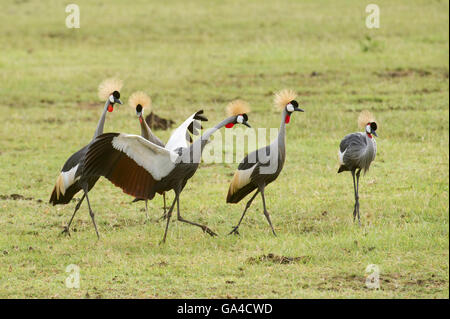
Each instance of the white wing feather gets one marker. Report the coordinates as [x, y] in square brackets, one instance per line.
[178, 137]
[156, 160]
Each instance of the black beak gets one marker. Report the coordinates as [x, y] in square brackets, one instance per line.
[375, 133]
[246, 124]
[298, 109]
[118, 101]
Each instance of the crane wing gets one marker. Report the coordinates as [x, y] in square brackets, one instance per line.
[129, 162]
[350, 149]
[180, 137]
[248, 169]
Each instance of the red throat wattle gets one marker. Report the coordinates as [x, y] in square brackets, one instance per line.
[287, 119]
[229, 125]
[110, 108]
[140, 119]
[369, 135]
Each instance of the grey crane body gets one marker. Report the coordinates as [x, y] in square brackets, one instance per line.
[258, 169]
[117, 157]
[356, 152]
[70, 179]
[146, 132]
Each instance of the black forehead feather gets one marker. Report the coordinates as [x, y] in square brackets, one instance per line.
[245, 116]
[294, 103]
[373, 126]
[116, 94]
[139, 108]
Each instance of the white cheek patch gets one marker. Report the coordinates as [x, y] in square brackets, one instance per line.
[368, 129]
[240, 119]
[290, 107]
[111, 99]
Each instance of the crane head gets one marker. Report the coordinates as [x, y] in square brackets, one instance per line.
[239, 119]
[371, 128]
[292, 107]
[113, 99]
[238, 110]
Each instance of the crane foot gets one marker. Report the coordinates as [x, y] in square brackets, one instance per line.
[66, 231]
[235, 231]
[208, 231]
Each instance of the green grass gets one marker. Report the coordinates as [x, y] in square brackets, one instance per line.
[201, 55]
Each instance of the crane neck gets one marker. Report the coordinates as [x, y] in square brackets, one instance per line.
[282, 131]
[101, 122]
[199, 144]
[147, 133]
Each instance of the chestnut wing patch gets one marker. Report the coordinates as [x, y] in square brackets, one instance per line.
[128, 163]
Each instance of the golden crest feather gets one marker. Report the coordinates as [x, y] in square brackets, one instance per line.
[237, 107]
[140, 98]
[364, 118]
[283, 97]
[108, 86]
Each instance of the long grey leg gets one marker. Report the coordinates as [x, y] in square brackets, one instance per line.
[66, 228]
[164, 216]
[357, 195]
[266, 213]
[169, 214]
[91, 212]
[164, 198]
[146, 209]
[235, 228]
[203, 227]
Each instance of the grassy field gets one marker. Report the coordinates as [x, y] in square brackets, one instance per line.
[196, 55]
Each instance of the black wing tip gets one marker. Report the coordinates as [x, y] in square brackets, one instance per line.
[199, 116]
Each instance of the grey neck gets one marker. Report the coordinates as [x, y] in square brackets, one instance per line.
[101, 122]
[197, 147]
[147, 133]
[282, 132]
[370, 145]
[145, 129]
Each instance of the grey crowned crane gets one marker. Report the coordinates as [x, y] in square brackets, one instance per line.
[180, 136]
[69, 181]
[142, 168]
[357, 151]
[261, 167]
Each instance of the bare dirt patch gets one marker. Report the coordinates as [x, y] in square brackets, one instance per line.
[15, 196]
[158, 123]
[272, 258]
[391, 282]
[400, 73]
